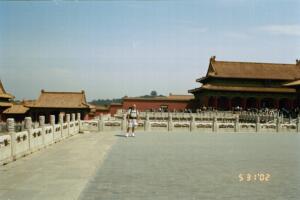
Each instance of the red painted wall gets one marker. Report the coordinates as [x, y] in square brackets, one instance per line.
[113, 108]
[99, 112]
[143, 105]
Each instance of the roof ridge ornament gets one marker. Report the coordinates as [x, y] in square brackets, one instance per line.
[297, 62]
[213, 59]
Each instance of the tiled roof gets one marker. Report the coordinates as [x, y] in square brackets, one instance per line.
[16, 109]
[253, 70]
[98, 107]
[244, 89]
[167, 98]
[60, 100]
[3, 93]
[180, 97]
[250, 70]
[5, 104]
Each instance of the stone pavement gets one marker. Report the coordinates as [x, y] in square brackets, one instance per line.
[58, 172]
[158, 166]
[173, 166]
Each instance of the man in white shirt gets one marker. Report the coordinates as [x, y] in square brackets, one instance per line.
[132, 118]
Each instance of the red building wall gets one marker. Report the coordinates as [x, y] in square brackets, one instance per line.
[99, 112]
[143, 105]
[113, 108]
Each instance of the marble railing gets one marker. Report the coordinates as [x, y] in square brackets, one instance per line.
[15, 145]
[195, 123]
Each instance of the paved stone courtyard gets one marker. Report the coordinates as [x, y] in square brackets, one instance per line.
[157, 166]
[198, 166]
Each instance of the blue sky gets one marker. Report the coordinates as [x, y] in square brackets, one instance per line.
[116, 48]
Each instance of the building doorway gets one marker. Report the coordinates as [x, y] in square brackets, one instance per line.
[223, 103]
[251, 103]
[267, 103]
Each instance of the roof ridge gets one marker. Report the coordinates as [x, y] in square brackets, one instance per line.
[180, 95]
[61, 92]
[1, 87]
[249, 62]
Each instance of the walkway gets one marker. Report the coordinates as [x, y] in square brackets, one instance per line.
[59, 172]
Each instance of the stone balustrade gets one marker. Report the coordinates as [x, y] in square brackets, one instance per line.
[35, 137]
[196, 122]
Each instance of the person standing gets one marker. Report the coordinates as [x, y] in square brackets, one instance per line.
[132, 118]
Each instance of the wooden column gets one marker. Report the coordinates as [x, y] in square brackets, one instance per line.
[229, 103]
[243, 103]
[258, 103]
[276, 101]
[205, 101]
[289, 103]
[215, 102]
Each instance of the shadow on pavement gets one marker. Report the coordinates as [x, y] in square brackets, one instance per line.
[119, 135]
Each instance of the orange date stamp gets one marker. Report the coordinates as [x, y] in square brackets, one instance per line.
[254, 177]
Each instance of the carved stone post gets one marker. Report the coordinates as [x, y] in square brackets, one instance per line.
[147, 126]
[28, 123]
[298, 124]
[73, 117]
[52, 120]
[61, 118]
[257, 123]
[42, 125]
[215, 124]
[236, 124]
[28, 128]
[102, 123]
[170, 123]
[78, 116]
[68, 119]
[42, 121]
[10, 123]
[79, 121]
[278, 124]
[52, 123]
[193, 123]
[124, 122]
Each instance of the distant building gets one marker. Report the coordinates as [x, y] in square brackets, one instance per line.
[115, 107]
[54, 103]
[97, 110]
[16, 111]
[248, 85]
[5, 99]
[168, 103]
[102, 109]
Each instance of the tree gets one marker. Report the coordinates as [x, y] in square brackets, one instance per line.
[153, 93]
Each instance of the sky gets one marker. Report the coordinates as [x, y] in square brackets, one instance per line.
[115, 48]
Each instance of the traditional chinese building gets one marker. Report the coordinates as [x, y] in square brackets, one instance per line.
[4, 100]
[230, 84]
[54, 103]
[16, 111]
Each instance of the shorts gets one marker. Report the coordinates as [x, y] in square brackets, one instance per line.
[132, 123]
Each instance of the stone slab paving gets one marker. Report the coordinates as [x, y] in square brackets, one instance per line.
[59, 172]
[187, 166]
